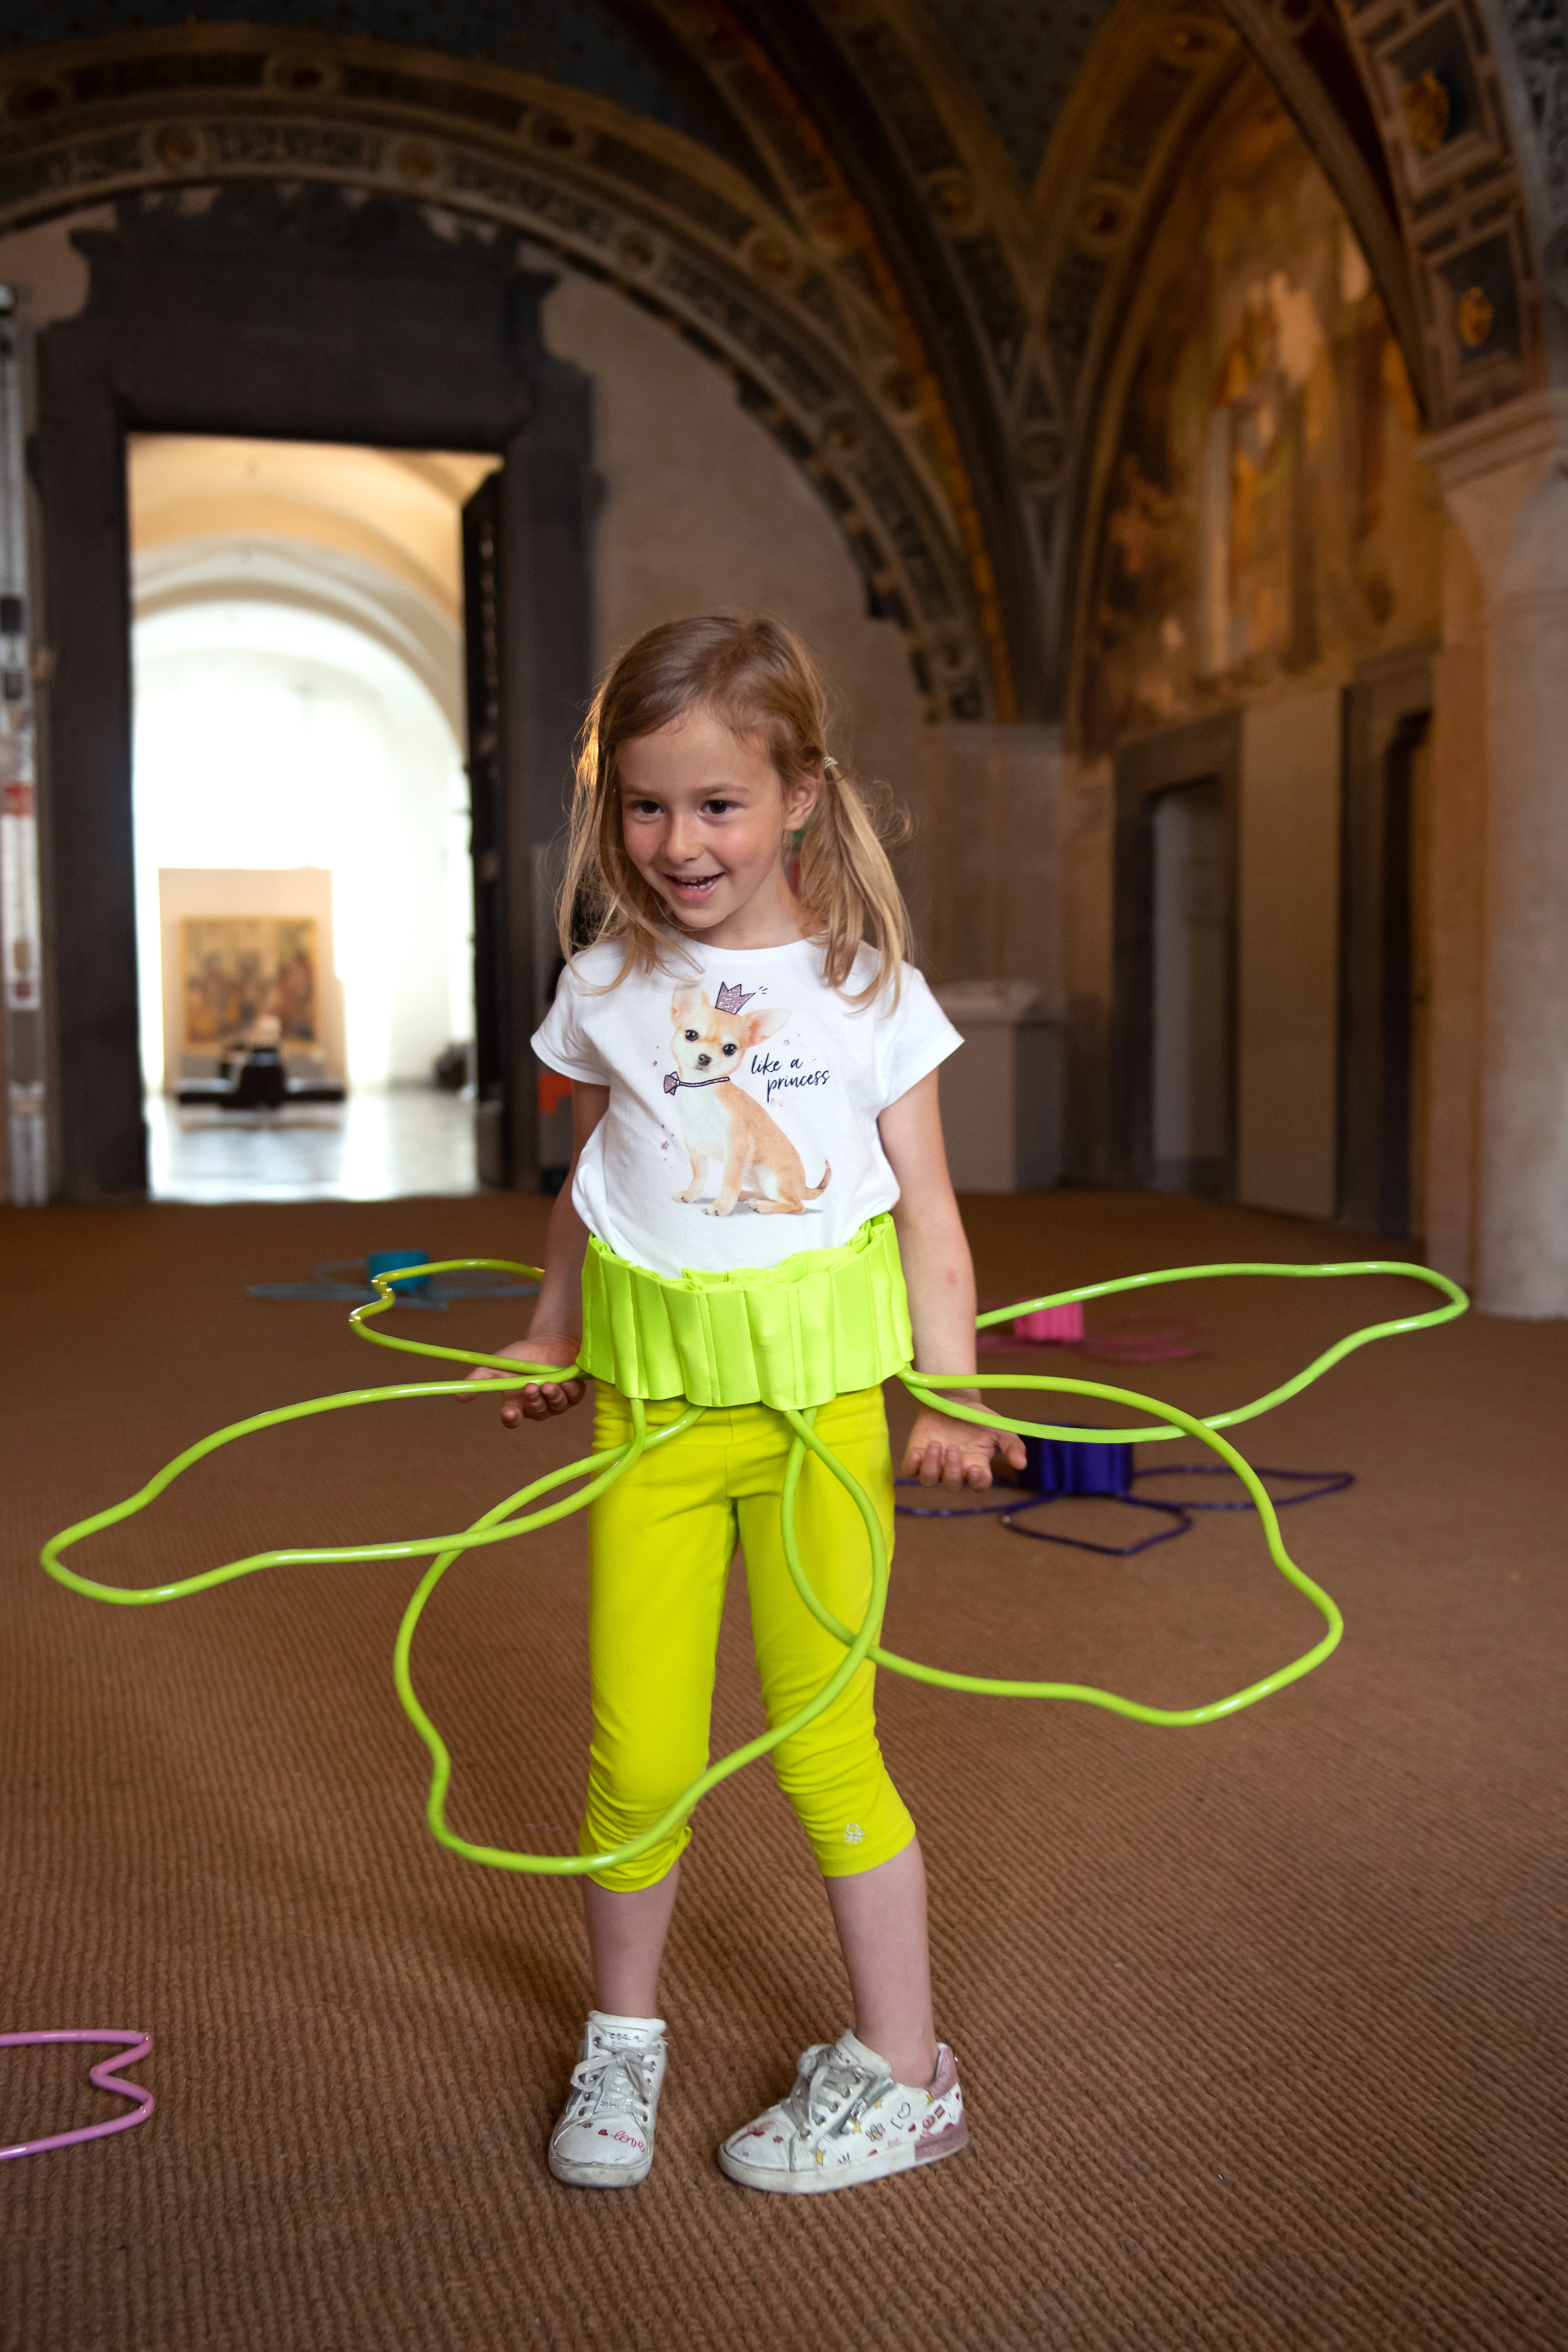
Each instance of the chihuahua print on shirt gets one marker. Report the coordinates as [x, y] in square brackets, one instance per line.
[719, 1120]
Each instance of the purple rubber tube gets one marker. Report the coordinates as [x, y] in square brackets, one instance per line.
[104, 2076]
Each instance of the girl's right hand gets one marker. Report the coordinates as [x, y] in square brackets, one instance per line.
[540, 1398]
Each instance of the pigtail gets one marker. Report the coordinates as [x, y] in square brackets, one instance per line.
[848, 882]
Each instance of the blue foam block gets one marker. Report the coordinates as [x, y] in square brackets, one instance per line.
[389, 1261]
[1055, 1467]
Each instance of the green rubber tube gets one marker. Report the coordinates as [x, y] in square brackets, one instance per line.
[990, 1686]
[921, 1384]
[515, 1517]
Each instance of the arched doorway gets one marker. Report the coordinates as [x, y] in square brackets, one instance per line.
[334, 319]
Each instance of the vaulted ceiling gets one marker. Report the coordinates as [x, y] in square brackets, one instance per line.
[908, 228]
[1020, 62]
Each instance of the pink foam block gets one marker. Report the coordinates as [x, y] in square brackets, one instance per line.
[1052, 1323]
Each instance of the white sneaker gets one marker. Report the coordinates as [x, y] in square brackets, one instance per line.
[846, 2121]
[605, 2136]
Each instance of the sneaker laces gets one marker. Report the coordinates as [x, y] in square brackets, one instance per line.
[615, 2082]
[828, 2081]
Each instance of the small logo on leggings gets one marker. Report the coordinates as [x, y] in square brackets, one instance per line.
[853, 1833]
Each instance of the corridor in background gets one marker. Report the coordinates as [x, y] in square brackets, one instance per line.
[301, 809]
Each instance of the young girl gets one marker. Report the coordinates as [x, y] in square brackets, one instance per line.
[754, 1092]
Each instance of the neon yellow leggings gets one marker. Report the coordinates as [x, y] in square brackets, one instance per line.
[661, 1540]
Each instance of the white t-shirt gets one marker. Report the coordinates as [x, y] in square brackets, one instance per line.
[744, 1097]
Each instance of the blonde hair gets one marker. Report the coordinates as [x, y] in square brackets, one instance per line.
[756, 677]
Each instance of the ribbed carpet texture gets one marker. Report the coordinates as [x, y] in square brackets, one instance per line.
[1261, 2024]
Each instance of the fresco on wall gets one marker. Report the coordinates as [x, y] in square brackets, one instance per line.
[1265, 515]
[237, 969]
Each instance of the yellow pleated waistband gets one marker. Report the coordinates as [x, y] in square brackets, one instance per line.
[822, 1324]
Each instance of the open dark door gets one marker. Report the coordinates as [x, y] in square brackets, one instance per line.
[1174, 1046]
[1382, 991]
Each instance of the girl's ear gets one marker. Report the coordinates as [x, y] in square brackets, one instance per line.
[800, 799]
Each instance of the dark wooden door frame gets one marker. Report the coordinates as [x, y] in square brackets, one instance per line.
[1146, 768]
[483, 651]
[310, 314]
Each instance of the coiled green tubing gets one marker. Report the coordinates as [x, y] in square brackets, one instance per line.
[526, 1509]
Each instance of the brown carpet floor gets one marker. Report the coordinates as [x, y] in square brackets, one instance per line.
[1261, 2024]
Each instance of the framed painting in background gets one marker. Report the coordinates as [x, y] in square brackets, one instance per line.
[235, 969]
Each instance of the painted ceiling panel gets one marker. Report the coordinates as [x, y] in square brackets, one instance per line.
[1023, 60]
[588, 44]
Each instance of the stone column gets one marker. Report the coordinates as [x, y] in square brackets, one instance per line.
[1506, 481]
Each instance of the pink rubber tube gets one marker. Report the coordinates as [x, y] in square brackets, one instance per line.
[104, 2076]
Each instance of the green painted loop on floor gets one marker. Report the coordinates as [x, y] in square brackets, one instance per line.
[516, 1516]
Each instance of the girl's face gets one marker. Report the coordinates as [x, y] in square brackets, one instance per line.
[704, 817]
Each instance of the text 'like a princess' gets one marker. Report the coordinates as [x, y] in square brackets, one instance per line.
[763, 1065]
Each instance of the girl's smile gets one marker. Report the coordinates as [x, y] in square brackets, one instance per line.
[704, 817]
[692, 888]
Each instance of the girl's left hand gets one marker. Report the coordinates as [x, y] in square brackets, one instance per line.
[539, 1399]
[942, 1452]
